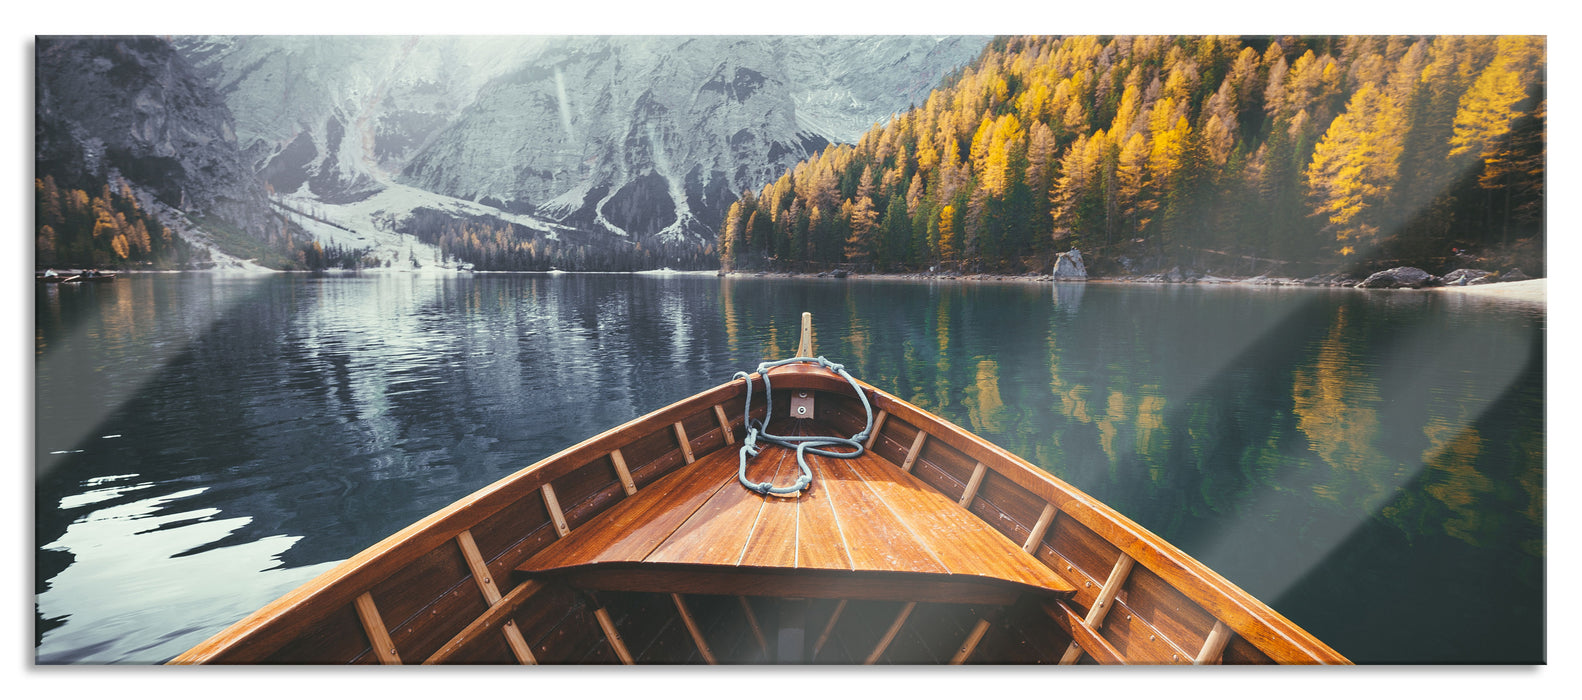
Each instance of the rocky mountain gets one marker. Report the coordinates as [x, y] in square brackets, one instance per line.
[579, 145]
[131, 109]
[602, 139]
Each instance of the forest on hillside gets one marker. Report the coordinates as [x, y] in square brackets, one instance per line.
[113, 230]
[1300, 153]
[105, 229]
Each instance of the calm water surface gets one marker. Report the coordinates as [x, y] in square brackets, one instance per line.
[1371, 464]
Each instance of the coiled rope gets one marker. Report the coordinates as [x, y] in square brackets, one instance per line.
[803, 444]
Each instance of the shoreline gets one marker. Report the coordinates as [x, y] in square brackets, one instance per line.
[1531, 291]
[1534, 290]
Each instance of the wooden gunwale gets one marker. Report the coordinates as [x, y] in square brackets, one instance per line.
[1272, 633]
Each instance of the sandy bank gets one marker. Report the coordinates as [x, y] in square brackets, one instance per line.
[1531, 291]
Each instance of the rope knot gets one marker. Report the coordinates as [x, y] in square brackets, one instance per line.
[802, 444]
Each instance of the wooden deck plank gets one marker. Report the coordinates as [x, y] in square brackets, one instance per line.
[874, 537]
[774, 540]
[973, 547]
[701, 532]
[631, 529]
[820, 542]
[718, 531]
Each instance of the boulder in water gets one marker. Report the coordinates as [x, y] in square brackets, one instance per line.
[1400, 278]
[1515, 275]
[1068, 266]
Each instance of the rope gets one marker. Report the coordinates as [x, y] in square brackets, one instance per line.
[803, 444]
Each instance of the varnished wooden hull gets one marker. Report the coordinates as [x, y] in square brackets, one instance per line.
[446, 590]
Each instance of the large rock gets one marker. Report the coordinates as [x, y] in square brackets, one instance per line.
[1068, 266]
[1400, 278]
[1515, 275]
[1461, 277]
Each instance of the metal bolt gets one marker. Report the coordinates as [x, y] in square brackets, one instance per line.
[486, 580]
[1087, 584]
[1128, 617]
[801, 394]
[1150, 637]
[1175, 657]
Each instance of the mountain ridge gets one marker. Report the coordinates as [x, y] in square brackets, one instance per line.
[643, 139]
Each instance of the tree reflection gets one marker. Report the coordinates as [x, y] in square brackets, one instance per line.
[1335, 400]
[984, 405]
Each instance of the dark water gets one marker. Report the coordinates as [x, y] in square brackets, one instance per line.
[1369, 463]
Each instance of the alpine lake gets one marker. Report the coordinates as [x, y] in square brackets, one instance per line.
[1371, 464]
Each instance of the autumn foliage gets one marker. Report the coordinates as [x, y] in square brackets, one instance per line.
[106, 229]
[1178, 150]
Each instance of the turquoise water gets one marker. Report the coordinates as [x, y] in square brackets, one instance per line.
[1369, 463]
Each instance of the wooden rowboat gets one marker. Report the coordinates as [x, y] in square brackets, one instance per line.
[642, 545]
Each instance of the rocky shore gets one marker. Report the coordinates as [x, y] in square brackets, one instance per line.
[1513, 285]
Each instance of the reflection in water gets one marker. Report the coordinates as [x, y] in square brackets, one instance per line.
[116, 596]
[984, 406]
[1068, 295]
[205, 444]
[1153, 443]
[1334, 401]
[1454, 479]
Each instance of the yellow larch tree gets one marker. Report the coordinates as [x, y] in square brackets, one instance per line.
[1005, 139]
[1354, 167]
[1489, 107]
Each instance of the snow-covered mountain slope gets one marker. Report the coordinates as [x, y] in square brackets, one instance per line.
[631, 138]
[376, 224]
